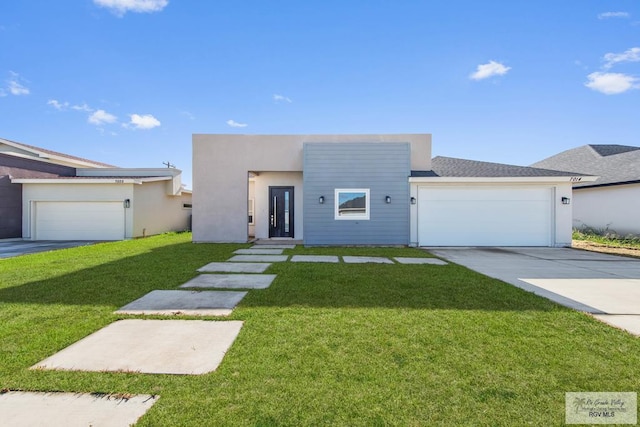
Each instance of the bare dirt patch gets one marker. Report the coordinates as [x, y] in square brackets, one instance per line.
[598, 247]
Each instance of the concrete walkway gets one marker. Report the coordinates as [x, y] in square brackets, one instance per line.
[606, 286]
[183, 347]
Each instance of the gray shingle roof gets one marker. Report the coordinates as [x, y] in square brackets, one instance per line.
[452, 167]
[614, 164]
[611, 150]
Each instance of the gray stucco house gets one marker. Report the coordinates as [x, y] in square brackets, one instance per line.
[610, 203]
[370, 190]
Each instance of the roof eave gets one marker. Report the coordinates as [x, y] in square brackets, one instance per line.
[510, 179]
[78, 181]
[607, 184]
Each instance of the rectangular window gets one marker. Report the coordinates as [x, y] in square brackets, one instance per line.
[250, 209]
[187, 205]
[352, 203]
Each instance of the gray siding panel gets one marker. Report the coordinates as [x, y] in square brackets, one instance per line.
[383, 168]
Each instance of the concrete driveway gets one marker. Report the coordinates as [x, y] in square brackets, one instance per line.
[14, 247]
[606, 286]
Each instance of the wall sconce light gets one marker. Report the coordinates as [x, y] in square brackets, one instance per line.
[565, 200]
[413, 200]
[127, 203]
[387, 199]
[321, 200]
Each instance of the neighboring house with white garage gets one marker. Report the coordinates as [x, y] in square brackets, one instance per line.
[19, 160]
[99, 203]
[612, 202]
[370, 190]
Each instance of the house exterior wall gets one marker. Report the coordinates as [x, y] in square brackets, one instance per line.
[155, 212]
[33, 193]
[10, 208]
[563, 215]
[221, 164]
[613, 208]
[252, 196]
[382, 169]
[277, 179]
[11, 194]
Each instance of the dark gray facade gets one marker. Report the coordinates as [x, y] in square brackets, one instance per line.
[381, 168]
[11, 194]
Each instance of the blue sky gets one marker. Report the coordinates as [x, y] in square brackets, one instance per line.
[127, 82]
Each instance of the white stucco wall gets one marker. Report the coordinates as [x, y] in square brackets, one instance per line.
[73, 193]
[564, 214]
[614, 208]
[262, 184]
[155, 212]
[252, 196]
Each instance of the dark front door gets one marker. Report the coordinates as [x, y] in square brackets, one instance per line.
[281, 212]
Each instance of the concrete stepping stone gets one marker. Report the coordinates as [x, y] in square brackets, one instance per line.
[194, 303]
[231, 281]
[234, 267]
[434, 261]
[315, 258]
[258, 258]
[366, 259]
[273, 247]
[258, 251]
[183, 347]
[27, 409]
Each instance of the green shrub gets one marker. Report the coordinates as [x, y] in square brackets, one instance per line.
[605, 236]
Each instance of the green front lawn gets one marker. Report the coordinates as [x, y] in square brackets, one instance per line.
[326, 344]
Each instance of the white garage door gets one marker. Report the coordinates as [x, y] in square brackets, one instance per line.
[79, 221]
[484, 216]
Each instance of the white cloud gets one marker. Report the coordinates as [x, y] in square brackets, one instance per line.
[235, 124]
[63, 106]
[83, 107]
[15, 87]
[630, 55]
[607, 15]
[282, 98]
[145, 121]
[101, 117]
[492, 68]
[58, 105]
[120, 7]
[611, 83]
[188, 115]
